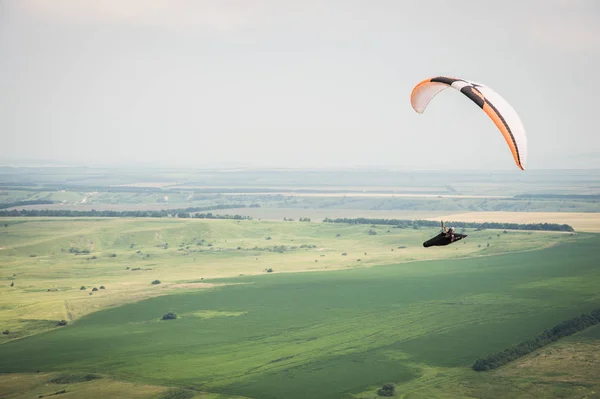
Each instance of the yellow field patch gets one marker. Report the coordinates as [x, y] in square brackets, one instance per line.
[567, 361]
[581, 221]
[320, 214]
[34, 385]
[209, 314]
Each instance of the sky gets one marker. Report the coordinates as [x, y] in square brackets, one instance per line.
[295, 84]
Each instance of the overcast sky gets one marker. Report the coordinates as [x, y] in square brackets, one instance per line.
[295, 83]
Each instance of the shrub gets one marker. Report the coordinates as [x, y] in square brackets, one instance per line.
[169, 316]
[62, 323]
[5, 332]
[269, 270]
[82, 288]
[387, 390]
[155, 282]
[94, 289]
[101, 287]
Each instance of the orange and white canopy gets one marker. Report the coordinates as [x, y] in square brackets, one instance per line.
[501, 112]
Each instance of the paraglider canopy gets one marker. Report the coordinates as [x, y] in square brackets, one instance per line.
[501, 112]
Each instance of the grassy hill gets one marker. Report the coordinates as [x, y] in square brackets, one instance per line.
[418, 322]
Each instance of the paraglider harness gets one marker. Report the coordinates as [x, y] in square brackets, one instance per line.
[446, 236]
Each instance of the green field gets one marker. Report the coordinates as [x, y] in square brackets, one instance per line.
[318, 334]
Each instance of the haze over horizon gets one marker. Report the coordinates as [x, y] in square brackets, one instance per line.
[294, 84]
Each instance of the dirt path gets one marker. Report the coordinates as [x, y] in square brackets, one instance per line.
[69, 314]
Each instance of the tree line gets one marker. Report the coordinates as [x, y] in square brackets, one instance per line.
[406, 224]
[557, 332]
[211, 216]
[185, 212]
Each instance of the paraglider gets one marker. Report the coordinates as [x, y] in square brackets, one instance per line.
[446, 237]
[501, 112]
